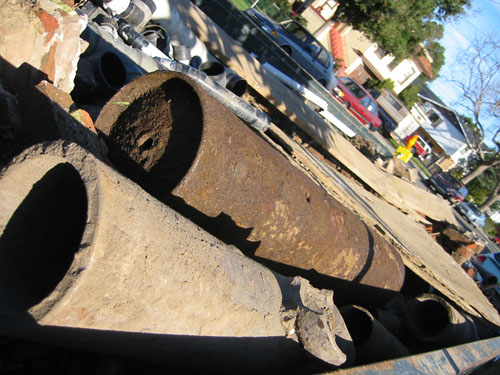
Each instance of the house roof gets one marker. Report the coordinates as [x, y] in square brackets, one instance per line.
[338, 51]
[425, 66]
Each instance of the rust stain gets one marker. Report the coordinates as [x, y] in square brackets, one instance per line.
[50, 24]
[195, 155]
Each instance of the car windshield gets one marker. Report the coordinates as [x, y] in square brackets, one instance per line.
[475, 209]
[353, 87]
[463, 191]
[369, 104]
[452, 181]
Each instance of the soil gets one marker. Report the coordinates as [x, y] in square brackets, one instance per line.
[152, 141]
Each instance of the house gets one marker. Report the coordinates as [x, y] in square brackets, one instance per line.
[494, 215]
[405, 119]
[451, 141]
[364, 60]
[357, 56]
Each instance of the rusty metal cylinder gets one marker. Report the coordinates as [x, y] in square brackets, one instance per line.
[164, 132]
[90, 260]
[434, 321]
[372, 341]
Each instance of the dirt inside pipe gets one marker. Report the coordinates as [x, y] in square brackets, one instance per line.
[155, 140]
[38, 244]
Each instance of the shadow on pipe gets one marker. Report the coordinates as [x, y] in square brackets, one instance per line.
[186, 354]
[142, 274]
[373, 342]
[39, 242]
[436, 323]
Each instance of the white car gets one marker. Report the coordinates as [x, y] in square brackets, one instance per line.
[472, 213]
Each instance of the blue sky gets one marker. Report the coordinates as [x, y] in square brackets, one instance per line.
[482, 19]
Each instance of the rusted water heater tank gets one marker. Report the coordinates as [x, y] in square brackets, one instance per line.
[185, 148]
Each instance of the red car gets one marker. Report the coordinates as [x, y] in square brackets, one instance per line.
[422, 149]
[359, 102]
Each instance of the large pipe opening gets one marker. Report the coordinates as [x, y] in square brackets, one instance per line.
[155, 140]
[358, 323]
[429, 317]
[38, 244]
[112, 70]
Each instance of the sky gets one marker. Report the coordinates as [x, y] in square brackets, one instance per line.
[482, 19]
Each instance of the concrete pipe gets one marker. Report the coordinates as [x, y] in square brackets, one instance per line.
[434, 321]
[372, 341]
[189, 151]
[90, 260]
[391, 321]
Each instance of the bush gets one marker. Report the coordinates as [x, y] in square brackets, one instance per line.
[388, 84]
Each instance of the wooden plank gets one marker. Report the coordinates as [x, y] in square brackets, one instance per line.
[396, 191]
[420, 252]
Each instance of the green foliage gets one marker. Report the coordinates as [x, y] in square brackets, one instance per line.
[436, 50]
[400, 26]
[388, 84]
[409, 95]
[457, 172]
[468, 122]
[242, 4]
[279, 10]
[495, 206]
[490, 227]
[483, 185]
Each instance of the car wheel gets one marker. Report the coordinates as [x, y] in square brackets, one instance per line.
[347, 105]
[287, 49]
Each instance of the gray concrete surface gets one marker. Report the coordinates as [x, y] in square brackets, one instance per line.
[97, 258]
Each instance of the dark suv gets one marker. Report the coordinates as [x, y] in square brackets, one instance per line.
[448, 186]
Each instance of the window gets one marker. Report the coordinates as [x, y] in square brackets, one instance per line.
[296, 30]
[434, 118]
[324, 58]
[393, 64]
[353, 87]
[369, 104]
[394, 102]
[407, 74]
[380, 52]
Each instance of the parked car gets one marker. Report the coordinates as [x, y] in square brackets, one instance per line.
[421, 148]
[472, 213]
[488, 265]
[301, 45]
[448, 186]
[359, 101]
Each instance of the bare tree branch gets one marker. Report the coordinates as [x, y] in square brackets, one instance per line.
[476, 76]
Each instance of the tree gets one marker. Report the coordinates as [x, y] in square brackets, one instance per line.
[477, 79]
[388, 84]
[436, 50]
[476, 76]
[481, 188]
[409, 95]
[400, 26]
